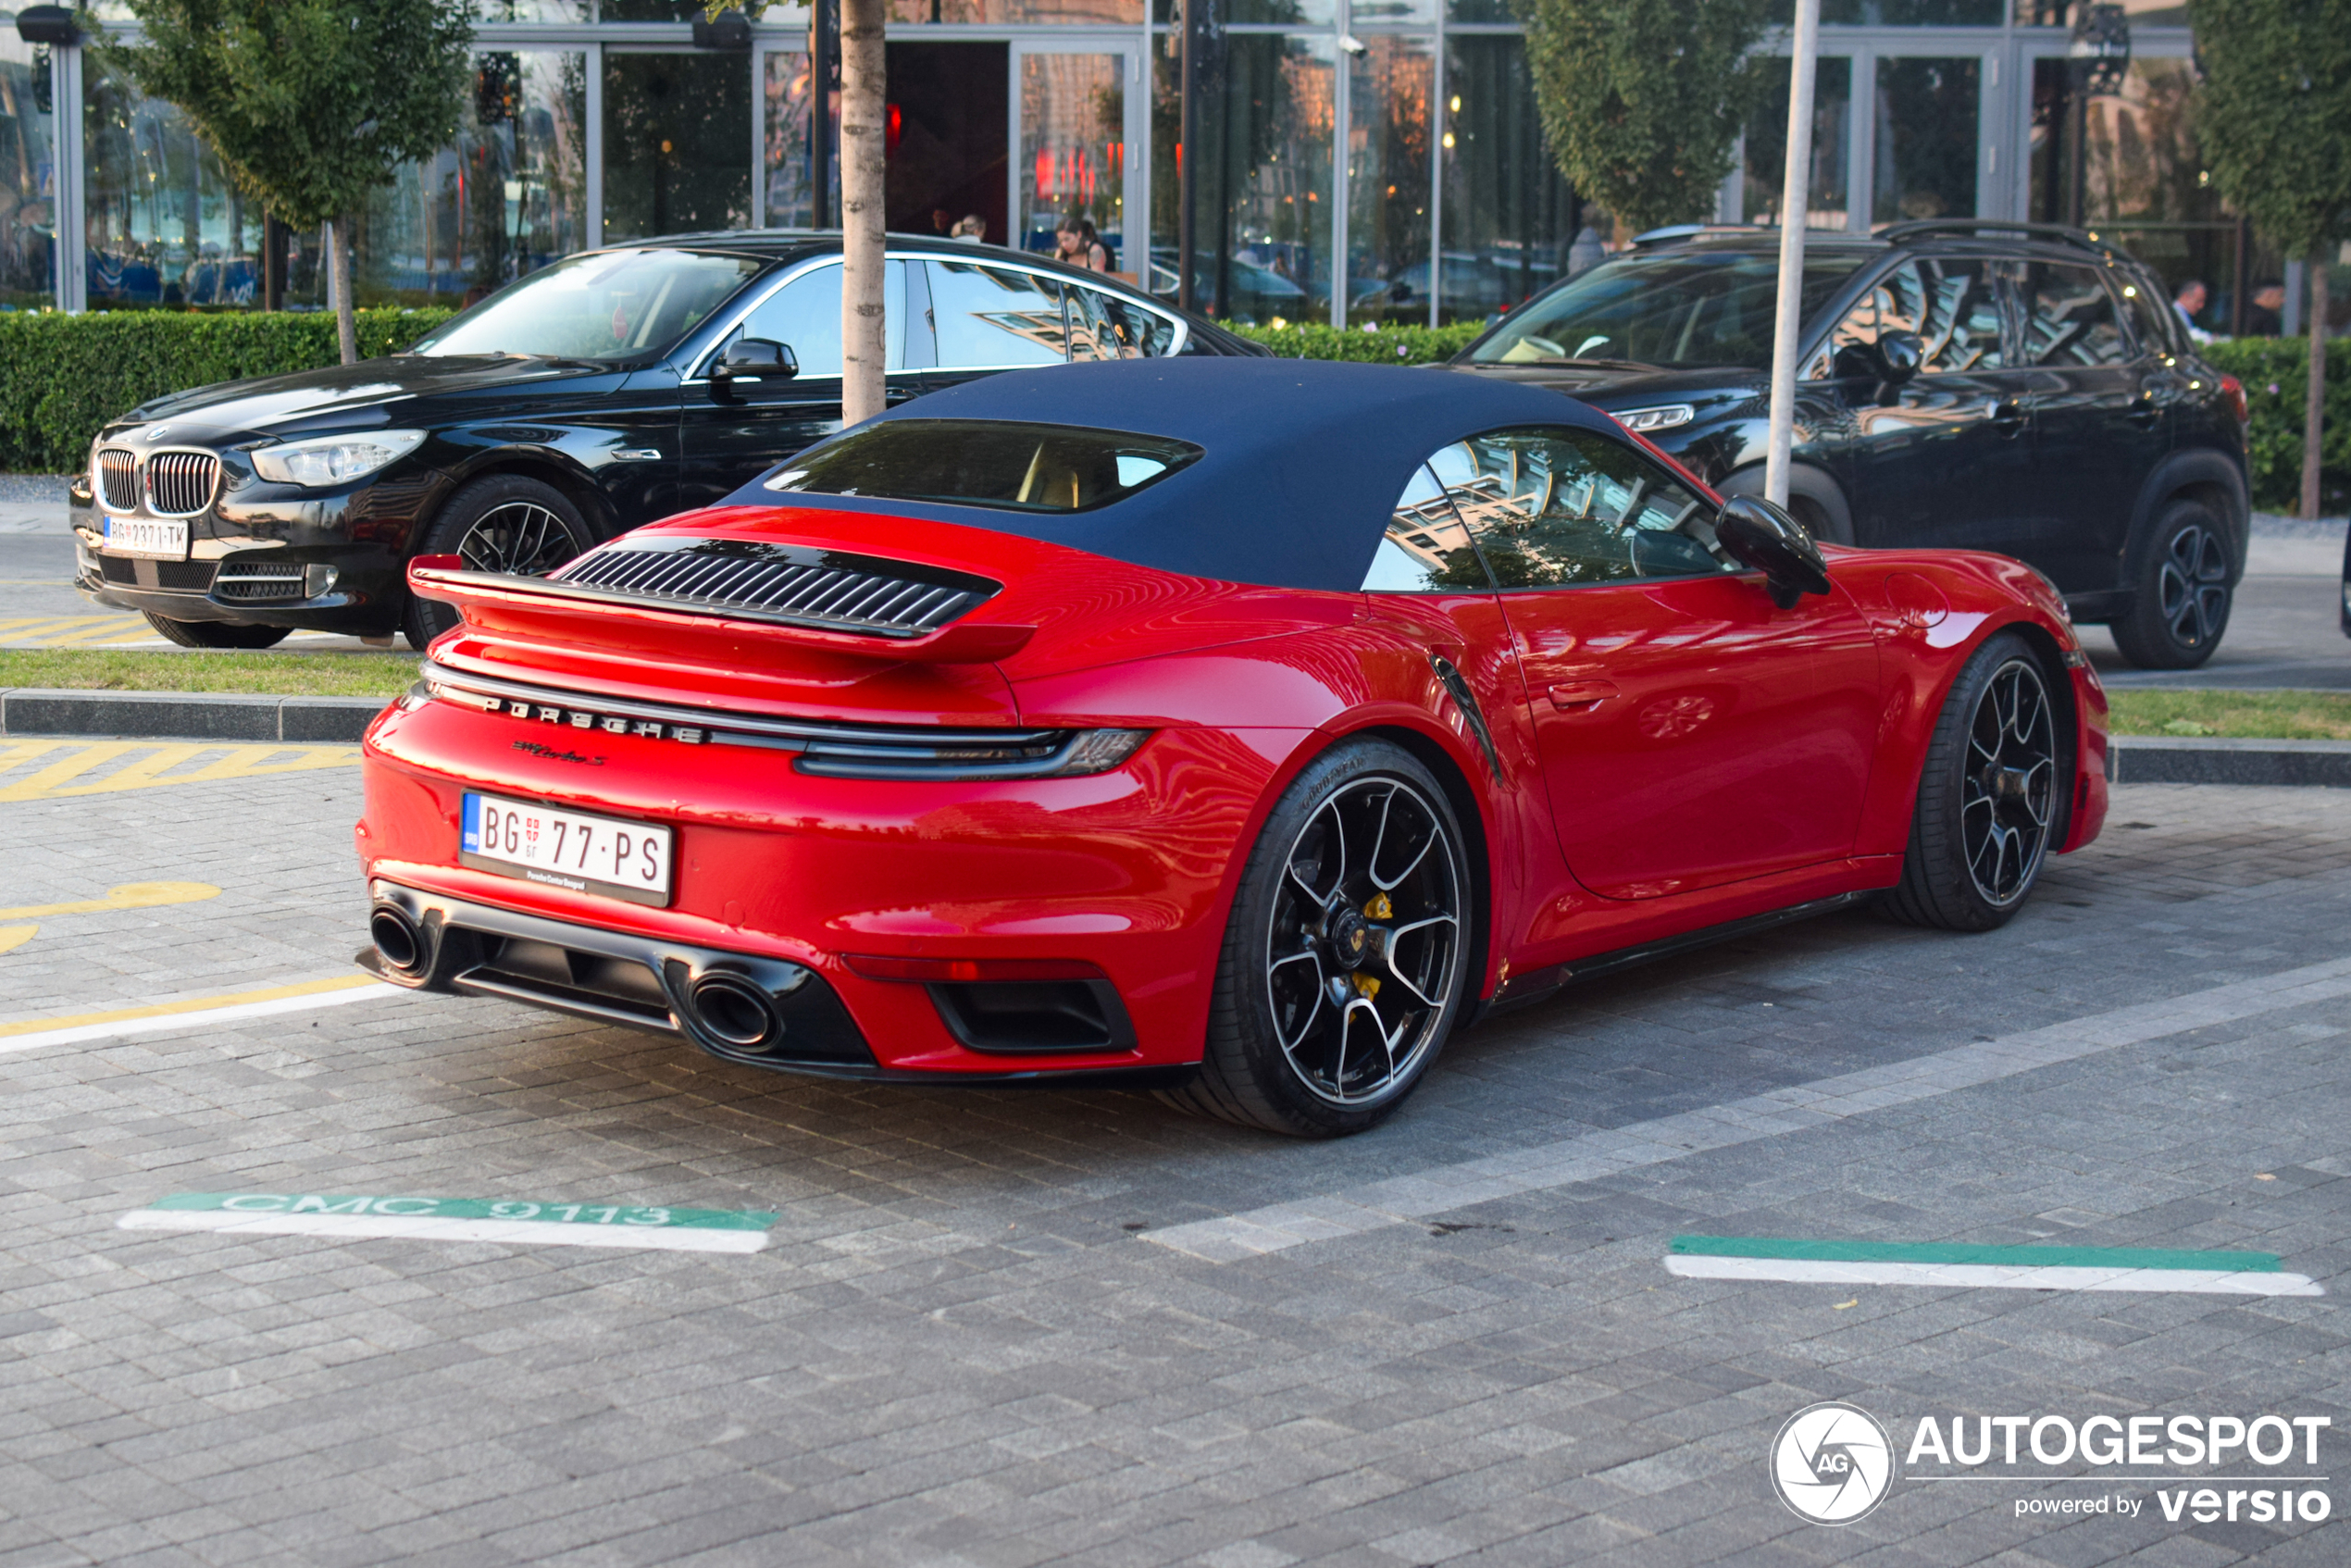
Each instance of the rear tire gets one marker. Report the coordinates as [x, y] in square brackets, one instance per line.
[216, 634]
[1990, 800]
[503, 523]
[2180, 603]
[1345, 963]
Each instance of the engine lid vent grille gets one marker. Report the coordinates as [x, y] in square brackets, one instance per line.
[797, 585]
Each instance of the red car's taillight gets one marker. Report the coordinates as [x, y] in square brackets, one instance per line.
[2232, 394]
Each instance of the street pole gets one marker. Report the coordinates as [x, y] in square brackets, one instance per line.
[1794, 192]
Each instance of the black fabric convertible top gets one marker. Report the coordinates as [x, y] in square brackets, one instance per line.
[1304, 459]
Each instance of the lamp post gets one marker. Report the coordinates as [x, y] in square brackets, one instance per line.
[1796, 190]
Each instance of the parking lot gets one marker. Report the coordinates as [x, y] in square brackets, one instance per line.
[1024, 1326]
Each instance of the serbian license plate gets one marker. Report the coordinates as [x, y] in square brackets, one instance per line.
[567, 849]
[162, 539]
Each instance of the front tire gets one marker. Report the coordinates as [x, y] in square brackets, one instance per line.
[503, 523]
[1991, 797]
[1345, 963]
[216, 634]
[2180, 603]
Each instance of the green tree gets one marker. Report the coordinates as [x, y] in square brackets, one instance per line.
[310, 104]
[1643, 100]
[2274, 118]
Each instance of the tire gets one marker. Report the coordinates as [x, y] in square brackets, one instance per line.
[216, 634]
[2179, 602]
[1284, 1053]
[503, 523]
[1990, 803]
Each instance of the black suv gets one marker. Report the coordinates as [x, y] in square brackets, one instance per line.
[611, 389]
[1970, 384]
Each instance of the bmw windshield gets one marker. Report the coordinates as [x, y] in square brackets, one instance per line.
[1687, 307]
[610, 306]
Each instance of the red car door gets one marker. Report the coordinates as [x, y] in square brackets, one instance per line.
[1691, 733]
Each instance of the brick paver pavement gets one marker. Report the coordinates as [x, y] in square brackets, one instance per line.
[961, 1346]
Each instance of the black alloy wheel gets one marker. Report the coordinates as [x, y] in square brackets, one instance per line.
[2180, 607]
[504, 523]
[216, 634]
[1992, 797]
[1345, 963]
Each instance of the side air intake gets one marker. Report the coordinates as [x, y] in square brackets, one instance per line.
[796, 585]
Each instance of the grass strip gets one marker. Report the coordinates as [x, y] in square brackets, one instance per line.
[2237, 715]
[262, 674]
[1968, 1253]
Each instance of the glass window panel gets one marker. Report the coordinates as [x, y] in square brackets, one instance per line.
[805, 315]
[995, 317]
[1963, 323]
[995, 13]
[534, 10]
[1387, 177]
[1072, 150]
[1105, 326]
[1766, 173]
[950, 107]
[604, 306]
[1927, 143]
[1569, 509]
[1512, 227]
[27, 177]
[1427, 548]
[1668, 307]
[790, 181]
[2069, 318]
[1898, 13]
[676, 143]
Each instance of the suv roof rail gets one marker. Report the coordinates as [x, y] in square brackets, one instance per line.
[1675, 233]
[2061, 234]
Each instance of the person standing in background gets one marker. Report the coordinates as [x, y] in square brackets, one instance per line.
[2193, 298]
[1076, 243]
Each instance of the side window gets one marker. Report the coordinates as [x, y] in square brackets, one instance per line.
[2154, 325]
[2069, 318]
[1962, 319]
[1426, 549]
[805, 315]
[1847, 352]
[1105, 326]
[995, 317]
[1566, 508]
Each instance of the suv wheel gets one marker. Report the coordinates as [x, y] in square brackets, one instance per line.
[2180, 603]
[504, 523]
[216, 634]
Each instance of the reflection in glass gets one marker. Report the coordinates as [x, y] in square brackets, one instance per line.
[534, 10]
[27, 177]
[1263, 225]
[676, 143]
[1427, 547]
[804, 315]
[1387, 178]
[1825, 204]
[1072, 149]
[1898, 13]
[1667, 308]
[790, 182]
[995, 13]
[508, 198]
[1564, 508]
[1927, 146]
[1510, 219]
[599, 306]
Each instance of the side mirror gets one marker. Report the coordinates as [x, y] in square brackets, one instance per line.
[1897, 358]
[752, 361]
[1760, 537]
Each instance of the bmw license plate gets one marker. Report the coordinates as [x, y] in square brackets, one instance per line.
[567, 849]
[160, 538]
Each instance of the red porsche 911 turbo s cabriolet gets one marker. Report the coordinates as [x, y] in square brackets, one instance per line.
[1240, 727]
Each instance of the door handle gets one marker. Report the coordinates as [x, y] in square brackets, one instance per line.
[2008, 416]
[1582, 693]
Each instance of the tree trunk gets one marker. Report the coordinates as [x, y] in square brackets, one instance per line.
[862, 328]
[339, 258]
[2314, 405]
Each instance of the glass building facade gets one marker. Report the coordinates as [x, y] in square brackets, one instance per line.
[1360, 161]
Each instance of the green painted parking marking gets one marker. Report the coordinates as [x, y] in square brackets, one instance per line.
[1966, 1253]
[518, 1221]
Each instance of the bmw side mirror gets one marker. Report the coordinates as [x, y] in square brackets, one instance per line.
[1763, 538]
[752, 361]
[1898, 357]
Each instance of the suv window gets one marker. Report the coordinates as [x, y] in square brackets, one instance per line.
[1102, 326]
[1427, 547]
[1952, 305]
[1559, 508]
[996, 318]
[2069, 317]
[805, 315]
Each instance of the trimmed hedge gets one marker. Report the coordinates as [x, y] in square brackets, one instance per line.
[63, 377]
[2276, 376]
[1385, 345]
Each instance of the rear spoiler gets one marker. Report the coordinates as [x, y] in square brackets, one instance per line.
[445, 578]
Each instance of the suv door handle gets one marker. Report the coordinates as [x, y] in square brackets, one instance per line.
[1582, 693]
[2008, 416]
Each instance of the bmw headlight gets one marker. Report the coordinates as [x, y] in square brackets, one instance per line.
[330, 460]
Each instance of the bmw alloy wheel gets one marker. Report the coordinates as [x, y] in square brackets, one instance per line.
[521, 538]
[2008, 794]
[1360, 956]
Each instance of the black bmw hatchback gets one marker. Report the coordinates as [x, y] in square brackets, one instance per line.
[612, 388]
[1968, 384]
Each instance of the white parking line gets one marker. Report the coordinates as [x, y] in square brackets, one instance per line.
[1807, 1270]
[1401, 1199]
[430, 1227]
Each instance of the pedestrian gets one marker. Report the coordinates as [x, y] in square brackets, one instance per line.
[972, 227]
[1076, 243]
[2265, 318]
[2191, 299]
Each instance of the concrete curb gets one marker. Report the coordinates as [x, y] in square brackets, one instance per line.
[185, 716]
[2179, 759]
